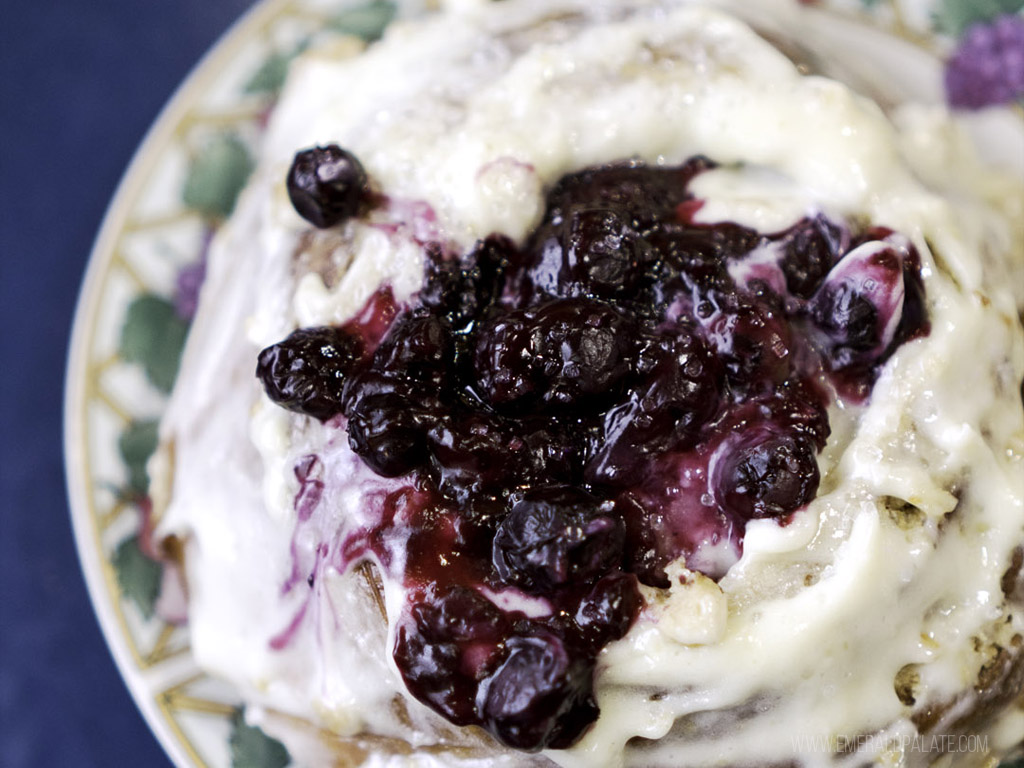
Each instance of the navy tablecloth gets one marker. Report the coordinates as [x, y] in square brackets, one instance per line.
[80, 82]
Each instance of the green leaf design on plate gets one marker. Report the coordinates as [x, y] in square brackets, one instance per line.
[138, 576]
[252, 748]
[153, 335]
[136, 445]
[217, 175]
[954, 16]
[366, 21]
[270, 76]
[870, 3]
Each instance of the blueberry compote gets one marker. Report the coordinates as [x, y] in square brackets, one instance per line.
[625, 388]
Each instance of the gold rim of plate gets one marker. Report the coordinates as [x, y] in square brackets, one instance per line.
[189, 712]
[178, 701]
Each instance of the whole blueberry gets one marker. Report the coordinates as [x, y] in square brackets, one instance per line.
[769, 476]
[306, 372]
[473, 454]
[680, 378]
[810, 248]
[556, 536]
[386, 432]
[701, 253]
[418, 347]
[753, 340]
[599, 253]
[326, 185]
[432, 671]
[677, 390]
[564, 353]
[859, 307]
[850, 318]
[454, 613]
[541, 696]
[609, 609]
[628, 438]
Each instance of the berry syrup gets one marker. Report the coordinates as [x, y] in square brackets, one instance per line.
[553, 423]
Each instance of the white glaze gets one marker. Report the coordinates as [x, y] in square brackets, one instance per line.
[453, 114]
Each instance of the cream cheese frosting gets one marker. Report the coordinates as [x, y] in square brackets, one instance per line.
[893, 573]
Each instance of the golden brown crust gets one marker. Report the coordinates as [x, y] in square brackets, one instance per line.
[999, 685]
[1013, 580]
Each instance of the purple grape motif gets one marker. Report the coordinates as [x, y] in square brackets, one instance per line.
[186, 290]
[987, 68]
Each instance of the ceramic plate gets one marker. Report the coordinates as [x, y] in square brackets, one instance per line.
[147, 263]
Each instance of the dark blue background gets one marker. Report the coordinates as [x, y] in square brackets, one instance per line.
[80, 82]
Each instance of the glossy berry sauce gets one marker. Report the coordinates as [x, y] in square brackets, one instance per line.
[568, 416]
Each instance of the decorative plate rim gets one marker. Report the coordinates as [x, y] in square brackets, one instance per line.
[149, 680]
[97, 571]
